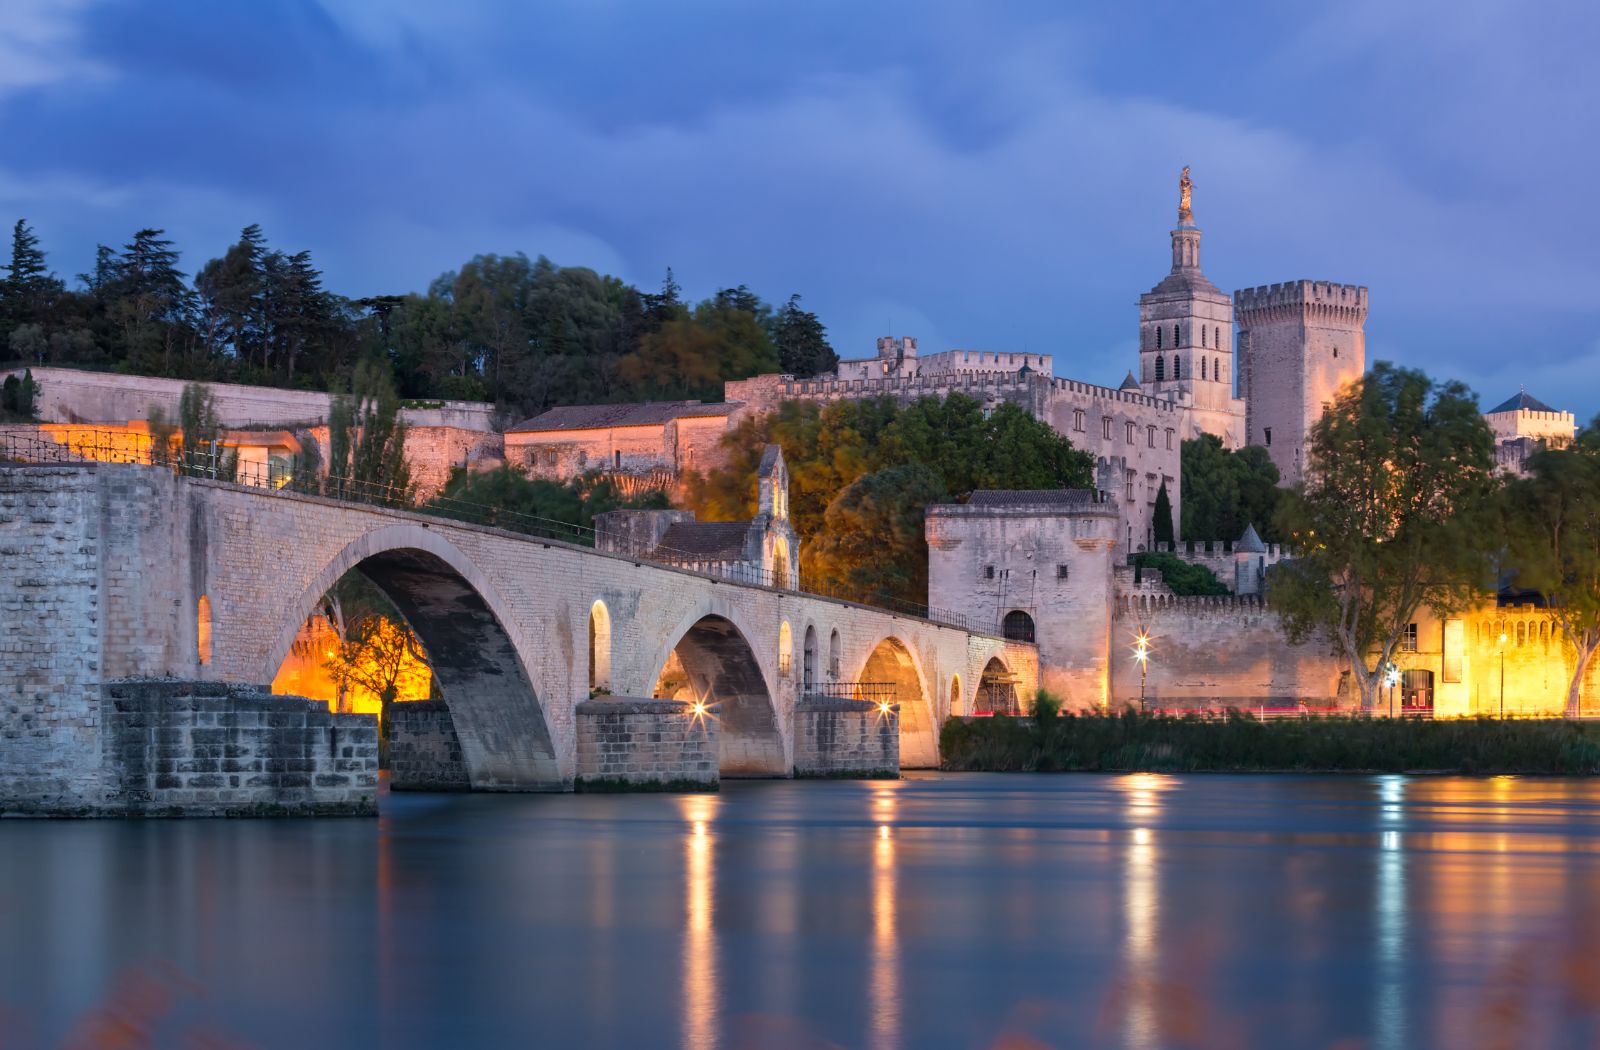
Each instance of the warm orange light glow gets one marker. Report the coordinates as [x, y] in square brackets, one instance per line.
[884, 707]
[312, 669]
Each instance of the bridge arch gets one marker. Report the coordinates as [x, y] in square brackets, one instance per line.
[461, 620]
[891, 661]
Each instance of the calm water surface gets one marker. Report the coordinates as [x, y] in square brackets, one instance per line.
[941, 910]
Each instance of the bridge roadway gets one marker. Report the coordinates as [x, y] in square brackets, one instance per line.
[211, 581]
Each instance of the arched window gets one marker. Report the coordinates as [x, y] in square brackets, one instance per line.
[1203, 338]
[835, 655]
[808, 661]
[1161, 368]
[1216, 369]
[1158, 337]
[785, 649]
[955, 694]
[203, 630]
[1202, 368]
[599, 647]
[1177, 367]
[1017, 626]
[1177, 336]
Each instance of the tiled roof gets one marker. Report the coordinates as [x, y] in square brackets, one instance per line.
[1522, 402]
[1029, 497]
[643, 414]
[1129, 383]
[1250, 542]
[711, 540]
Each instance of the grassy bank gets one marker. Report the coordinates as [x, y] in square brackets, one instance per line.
[1162, 743]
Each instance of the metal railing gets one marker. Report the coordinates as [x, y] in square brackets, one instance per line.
[216, 463]
[872, 692]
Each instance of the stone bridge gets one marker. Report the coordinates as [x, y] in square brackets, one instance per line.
[110, 573]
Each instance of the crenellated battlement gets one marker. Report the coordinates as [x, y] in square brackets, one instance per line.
[1326, 299]
[1142, 605]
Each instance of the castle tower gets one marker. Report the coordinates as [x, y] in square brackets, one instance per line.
[1299, 343]
[1186, 338]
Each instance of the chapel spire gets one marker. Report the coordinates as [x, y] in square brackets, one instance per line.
[1186, 238]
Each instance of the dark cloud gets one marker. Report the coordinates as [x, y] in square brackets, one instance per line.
[999, 177]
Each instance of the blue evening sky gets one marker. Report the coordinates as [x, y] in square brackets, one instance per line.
[997, 175]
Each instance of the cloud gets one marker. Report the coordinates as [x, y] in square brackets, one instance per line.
[40, 44]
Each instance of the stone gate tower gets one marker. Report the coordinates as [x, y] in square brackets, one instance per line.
[1299, 343]
[1186, 338]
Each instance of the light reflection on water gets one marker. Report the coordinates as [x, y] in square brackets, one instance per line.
[1138, 911]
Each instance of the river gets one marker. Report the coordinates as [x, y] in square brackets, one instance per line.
[961, 910]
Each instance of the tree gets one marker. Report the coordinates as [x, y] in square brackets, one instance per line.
[829, 448]
[872, 542]
[1390, 518]
[506, 496]
[1553, 543]
[1163, 516]
[366, 440]
[18, 397]
[28, 286]
[802, 342]
[1224, 490]
[153, 302]
[1182, 578]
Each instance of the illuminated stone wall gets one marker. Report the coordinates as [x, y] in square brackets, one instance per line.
[644, 743]
[845, 738]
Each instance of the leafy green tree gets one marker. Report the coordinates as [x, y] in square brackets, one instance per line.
[1392, 517]
[1224, 490]
[19, 396]
[872, 542]
[366, 440]
[153, 301]
[1182, 578]
[514, 500]
[802, 342]
[829, 448]
[1163, 516]
[1553, 541]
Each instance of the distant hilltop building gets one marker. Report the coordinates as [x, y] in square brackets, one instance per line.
[1522, 425]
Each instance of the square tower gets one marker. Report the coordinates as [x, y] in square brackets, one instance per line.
[1186, 338]
[1300, 343]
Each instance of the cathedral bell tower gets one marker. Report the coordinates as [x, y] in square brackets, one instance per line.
[1186, 336]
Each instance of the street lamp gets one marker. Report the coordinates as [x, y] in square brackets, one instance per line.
[1391, 678]
[1502, 674]
[1141, 653]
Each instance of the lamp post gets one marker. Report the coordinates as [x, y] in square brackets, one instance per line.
[1391, 678]
[1141, 653]
[1502, 674]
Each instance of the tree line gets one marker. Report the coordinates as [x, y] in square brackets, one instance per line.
[525, 334]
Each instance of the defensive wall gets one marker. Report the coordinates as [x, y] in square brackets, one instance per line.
[115, 572]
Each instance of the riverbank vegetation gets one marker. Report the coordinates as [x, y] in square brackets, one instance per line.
[1134, 742]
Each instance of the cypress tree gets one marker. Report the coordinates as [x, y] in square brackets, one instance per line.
[1163, 516]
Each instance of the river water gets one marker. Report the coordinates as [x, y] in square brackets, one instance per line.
[962, 910]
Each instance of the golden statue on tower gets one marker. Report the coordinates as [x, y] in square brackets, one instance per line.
[1185, 189]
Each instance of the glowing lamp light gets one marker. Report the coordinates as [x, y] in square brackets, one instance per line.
[699, 708]
[883, 707]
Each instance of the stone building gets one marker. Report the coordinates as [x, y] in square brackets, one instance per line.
[1299, 343]
[658, 440]
[764, 550]
[1522, 425]
[1037, 564]
[1186, 340]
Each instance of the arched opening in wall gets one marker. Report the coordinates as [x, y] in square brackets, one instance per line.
[890, 669]
[780, 563]
[714, 663]
[785, 650]
[808, 662]
[1416, 692]
[955, 695]
[403, 633]
[997, 691]
[202, 629]
[1017, 626]
[599, 649]
[835, 655]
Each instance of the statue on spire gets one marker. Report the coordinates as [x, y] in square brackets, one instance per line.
[1185, 188]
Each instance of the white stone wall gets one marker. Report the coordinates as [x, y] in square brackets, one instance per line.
[68, 395]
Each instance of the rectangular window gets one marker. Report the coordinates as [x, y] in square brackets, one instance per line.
[1169, 439]
[1131, 429]
[1150, 436]
[1267, 433]
[1408, 639]
[1061, 572]
[1128, 477]
[988, 572]
[1150, 487]
[618, 457]
[1105, 427]
[1077, 420]
[1455, 643]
